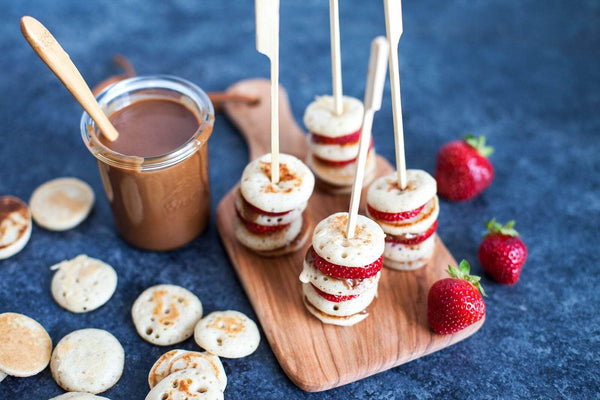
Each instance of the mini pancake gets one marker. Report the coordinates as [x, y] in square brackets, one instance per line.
[266, 241]
[320, 116]
[330, 242]
[87, 360]
[228, 334]
[416, 225]
[79, 396]
[266, 220]
[339, 309]
[166, 314]
[2, 376]
[332, 320]
[161, 367]
[83, 284]
[203, 361]
[187, 384]
[385, 195]
[339, 287]
[342, 175]
[408, 257]
[25, 346]
[61, 204]
[15, 226]
[296, 183]
[334, 152]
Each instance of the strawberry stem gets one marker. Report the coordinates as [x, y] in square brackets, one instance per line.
[495, 228]
[479, 145]
[462, 272]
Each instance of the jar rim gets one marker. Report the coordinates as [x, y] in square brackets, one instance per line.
[167, 83]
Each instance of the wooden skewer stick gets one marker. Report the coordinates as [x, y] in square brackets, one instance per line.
[393, 25]
[336, 61]
[267, 43]
[55, 57]
[373, 95]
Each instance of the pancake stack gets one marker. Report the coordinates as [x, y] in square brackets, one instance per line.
[269, 217]
[340, 275]
[333, 143]
[408, 217]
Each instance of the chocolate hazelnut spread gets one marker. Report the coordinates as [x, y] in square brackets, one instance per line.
[156, 173]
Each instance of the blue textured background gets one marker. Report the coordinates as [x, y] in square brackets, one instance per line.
[526, 73]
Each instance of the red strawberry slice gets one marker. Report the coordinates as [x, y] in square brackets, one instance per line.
[351, 138]
[455, 303]
[342, 272]
[331, 297]
[414, 240]
[393, 217]
[263, 212]
[260, 229]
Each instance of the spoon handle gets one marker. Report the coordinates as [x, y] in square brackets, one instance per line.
[50, 51]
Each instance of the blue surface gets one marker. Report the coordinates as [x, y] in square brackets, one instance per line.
[523, 72]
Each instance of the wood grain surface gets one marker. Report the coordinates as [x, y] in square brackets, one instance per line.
[316, 356]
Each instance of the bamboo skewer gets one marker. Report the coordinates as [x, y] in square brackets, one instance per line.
[267, 43]
[372, 101]
[336, 61]
[55, 57]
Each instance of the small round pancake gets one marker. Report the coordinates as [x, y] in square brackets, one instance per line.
[343, 175]
[2, 376]
[187, 384]
[25, 346]
[228, 334]
[330, 242]
[204, 361]
[320, 116]
[166, 314]
[420, 223]
[79, 396]
[87, 360]
[15, 226]
[83, 284]
[385, 195]
[334, 152]
[61, 204]
[341, 309]
[266, 220]
[330, 319]
[408, 257]
[161, 367]
[339, 287]
[268, 241]
[296, 183]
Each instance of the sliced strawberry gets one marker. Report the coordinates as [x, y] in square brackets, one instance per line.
[393, 217]
[263, 212]
[260, 229]
[413, 240]
[351, 138]
[331, 297]
[342, 272]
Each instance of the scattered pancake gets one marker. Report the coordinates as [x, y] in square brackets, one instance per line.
[340, 276]
[79, 396]
[187, 384]
[61, 204]
[269, 217]
[25, 346]
[15, 226]
[166, 314]
[408, 217]
[83, 284]
[228, 334]
[333, 143]
[87, 360]
[177, 360]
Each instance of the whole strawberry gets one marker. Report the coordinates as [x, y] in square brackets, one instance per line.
[455, 303]
[502, 253]
[463, 170]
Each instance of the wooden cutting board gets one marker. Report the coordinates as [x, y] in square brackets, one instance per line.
[316, 356]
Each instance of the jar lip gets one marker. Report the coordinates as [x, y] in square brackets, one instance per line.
[168, 83]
